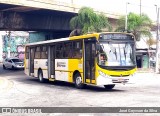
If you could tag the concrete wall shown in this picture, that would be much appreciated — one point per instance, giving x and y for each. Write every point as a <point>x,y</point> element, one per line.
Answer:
<point>42,36</point>
<point>36,36</point>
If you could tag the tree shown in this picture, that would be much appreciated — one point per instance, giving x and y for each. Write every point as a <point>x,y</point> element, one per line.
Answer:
<point>151,42</point>
<point>88,21</point>
<point>139,25</point>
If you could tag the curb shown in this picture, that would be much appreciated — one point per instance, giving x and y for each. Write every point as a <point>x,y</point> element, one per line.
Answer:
<point>145,72</point>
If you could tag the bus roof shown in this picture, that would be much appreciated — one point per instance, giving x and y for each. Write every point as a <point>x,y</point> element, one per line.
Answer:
<point>73,38</point>
<point>47,42</point>
<point>63,39</point>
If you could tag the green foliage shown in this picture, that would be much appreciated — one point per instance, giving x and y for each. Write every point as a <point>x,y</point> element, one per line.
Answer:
<point>89,21</point>
<point>151,42</point>
<point>138,25</point>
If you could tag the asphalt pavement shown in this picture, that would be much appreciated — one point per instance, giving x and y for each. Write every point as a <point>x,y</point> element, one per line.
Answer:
<point>19,90</point>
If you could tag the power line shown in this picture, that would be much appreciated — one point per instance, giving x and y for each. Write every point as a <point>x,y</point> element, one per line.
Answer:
<point>143,5</point>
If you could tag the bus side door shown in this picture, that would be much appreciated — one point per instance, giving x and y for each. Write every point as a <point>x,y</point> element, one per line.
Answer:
<point>31,59</point>
<point>51,61</point>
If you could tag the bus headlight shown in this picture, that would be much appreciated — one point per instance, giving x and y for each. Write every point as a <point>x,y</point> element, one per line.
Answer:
<point>102,73</point>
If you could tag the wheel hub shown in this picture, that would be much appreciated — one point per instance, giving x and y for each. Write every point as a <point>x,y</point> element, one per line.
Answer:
<point>40,77</point>
<point>78,80</point>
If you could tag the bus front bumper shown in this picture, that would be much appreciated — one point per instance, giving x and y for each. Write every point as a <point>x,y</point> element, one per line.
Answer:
<point>105,80</point>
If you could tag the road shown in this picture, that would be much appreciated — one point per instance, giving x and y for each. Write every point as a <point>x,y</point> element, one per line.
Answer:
<point>19,90</point>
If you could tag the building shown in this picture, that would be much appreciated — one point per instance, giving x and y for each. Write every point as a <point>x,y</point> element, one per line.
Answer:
<point>13,46</point>
<point>145,55</point>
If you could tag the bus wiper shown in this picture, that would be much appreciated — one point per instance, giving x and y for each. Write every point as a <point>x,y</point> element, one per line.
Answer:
<point>115,54</point>
<point>124,53</point>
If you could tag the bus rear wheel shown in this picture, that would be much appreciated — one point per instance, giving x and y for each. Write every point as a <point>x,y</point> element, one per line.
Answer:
<point>78,81</point>
<point>109,87</point>
<point>40,76</point>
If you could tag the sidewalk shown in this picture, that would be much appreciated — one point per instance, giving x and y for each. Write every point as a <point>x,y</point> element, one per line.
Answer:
<point>145,70</point>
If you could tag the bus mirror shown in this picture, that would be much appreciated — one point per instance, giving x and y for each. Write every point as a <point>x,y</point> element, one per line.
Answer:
<point>98,47</point>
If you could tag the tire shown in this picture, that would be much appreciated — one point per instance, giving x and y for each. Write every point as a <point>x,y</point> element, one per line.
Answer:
<point>40,76</point>
<point>13,67</point>
<point>78,81</point>
<point>4,66</point>
<point>109,87</point>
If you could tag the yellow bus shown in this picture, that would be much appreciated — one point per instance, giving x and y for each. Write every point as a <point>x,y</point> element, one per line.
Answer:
<point>106,59</point>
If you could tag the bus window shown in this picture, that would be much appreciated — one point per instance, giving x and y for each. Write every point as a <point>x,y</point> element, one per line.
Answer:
<point>38,53</point>
<point>59,50</point>
<point>77,53</point>
<point>44,53</point>
<point>77,49</point>
<point>68,50</point>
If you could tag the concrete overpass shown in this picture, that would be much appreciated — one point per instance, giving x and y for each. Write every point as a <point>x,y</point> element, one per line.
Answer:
<point>47,16</point>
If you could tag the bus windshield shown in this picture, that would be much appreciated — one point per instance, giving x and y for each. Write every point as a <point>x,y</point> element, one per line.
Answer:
<point>116,54</point>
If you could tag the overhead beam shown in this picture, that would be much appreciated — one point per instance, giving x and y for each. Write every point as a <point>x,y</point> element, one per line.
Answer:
<point>20,9</point>
<point>32,22</point>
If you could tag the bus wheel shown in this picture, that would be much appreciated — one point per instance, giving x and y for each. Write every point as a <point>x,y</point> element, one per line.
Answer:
<point>78,81</point>
<point>40,76</point>
<point>13,67</point>
<point>109,87</point>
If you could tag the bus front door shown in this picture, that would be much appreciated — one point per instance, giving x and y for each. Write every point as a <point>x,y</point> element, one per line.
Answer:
<point>89,70</point>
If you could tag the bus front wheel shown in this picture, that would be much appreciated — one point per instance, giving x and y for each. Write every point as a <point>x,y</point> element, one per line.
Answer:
<point>78,81</point>
<point>109,87</point>
<point>40,76</point>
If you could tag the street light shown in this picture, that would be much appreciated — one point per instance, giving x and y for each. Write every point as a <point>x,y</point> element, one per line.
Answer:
<point>126,20</point>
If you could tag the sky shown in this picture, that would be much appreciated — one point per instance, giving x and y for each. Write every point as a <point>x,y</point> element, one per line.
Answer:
<point>119,6</point>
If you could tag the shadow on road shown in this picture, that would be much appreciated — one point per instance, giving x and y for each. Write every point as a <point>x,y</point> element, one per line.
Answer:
<point>9,72</point>
<point>66,85</point>
<point>19,76</point>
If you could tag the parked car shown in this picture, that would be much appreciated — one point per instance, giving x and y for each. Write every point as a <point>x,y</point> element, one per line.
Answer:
<point>13,63</point>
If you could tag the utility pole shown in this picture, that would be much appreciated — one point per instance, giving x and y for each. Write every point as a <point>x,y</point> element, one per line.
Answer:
<point>140,7</point>
<point>71,1</point>
<point>157,44</point>
<point>9,44</point>
<point>126,19</point>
